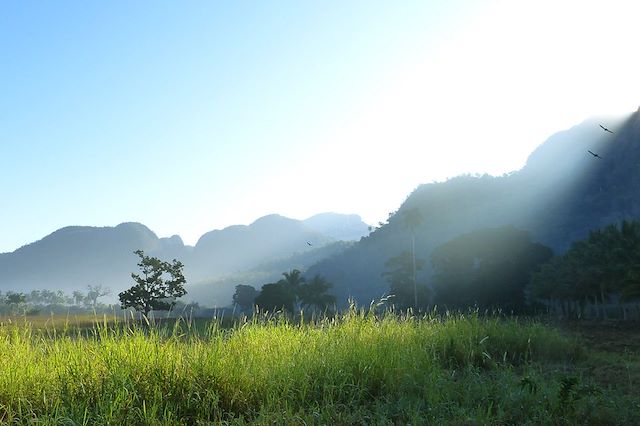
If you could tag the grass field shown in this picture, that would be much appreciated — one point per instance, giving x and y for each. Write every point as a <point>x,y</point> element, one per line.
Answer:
<point>356,369</point>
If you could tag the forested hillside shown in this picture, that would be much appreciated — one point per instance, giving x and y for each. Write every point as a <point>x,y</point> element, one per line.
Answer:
<point>562,193</point>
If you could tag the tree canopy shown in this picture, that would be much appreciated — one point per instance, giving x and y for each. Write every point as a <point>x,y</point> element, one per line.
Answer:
<point>313,294</point>
<point>245,296</point>
<point>402,286</point>
<point>94,292</point>
<point>293,289</point>
<point>276,297</point>
<point>488,268</point>
<point>607,262</point>
<point>157,287</point>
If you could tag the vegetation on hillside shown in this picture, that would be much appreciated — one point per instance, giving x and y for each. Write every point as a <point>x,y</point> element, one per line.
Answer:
<point>558,197</point>
<point>488,269</point>
<point>603,267</point>
<point>290,294</point>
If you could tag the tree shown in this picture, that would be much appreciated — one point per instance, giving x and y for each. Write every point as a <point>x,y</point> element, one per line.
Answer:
<point>158,287</point>
<point>291,290</point>
<point>631,289</point>
<point>403,286</point>
<point>313,294</point>
<point>15,300</point>
<point>488,268</point>
<point>94,293</point>
<point>35,297</point>
<point>291,283</point>
<point>51,297</point>
<point>412,219</point>
<point>606,262</point>
<point>245,296</point>
<point>293,279</point>
<point>78,297</point>
<point>276,297</point>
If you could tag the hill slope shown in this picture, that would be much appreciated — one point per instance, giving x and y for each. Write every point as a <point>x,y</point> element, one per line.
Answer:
<point>76,256</point>
<point>560,194</point>
<point>240,247</point>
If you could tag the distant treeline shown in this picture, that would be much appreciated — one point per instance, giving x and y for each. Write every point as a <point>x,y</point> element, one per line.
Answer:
<point>55,301</point>
<point>502,269</point>
<point>291,294</point>
<point>488,269</point>
<point>493,269</point>
<point>46,302</point>
<point>599,276</point>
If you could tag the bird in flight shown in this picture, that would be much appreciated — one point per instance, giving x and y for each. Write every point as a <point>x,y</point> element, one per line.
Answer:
<point>604,128</point>
<point>309,244</point>
<point>594,154</point>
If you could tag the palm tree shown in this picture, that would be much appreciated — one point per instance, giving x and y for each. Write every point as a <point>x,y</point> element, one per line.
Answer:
<point>291,282</point>
<point>314,294</point>
<point>78,297</point>
<point>400,276</point>
<point>412,219</point>
<point>293,278</point>
<point>276,297</point>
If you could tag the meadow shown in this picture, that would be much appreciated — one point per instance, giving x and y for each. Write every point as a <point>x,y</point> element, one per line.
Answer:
<point>356,368</point>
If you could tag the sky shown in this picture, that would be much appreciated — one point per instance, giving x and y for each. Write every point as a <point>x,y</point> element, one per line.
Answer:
<point>193,116</point>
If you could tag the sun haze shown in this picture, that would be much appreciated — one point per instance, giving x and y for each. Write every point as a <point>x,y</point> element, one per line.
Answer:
<point>193,116</point>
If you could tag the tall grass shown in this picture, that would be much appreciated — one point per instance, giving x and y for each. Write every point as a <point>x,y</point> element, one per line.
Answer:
<point>358,368</point>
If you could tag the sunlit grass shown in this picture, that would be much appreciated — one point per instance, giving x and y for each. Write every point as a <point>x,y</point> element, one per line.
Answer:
<point>358,368</point>
<point>60,322</point>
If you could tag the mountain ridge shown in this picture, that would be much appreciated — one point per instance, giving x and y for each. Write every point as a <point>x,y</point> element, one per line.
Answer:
<point>560,194</point>
<point>73,257</point>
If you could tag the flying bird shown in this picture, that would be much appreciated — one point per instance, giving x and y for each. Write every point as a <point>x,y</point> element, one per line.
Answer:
<point>309,244</point>
<point>604,128</point>
<point>594,154</point>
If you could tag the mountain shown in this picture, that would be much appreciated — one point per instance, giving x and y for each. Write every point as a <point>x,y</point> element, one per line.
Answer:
<point>561,194</point>
<point>338,226</point>
<point>240,247</point>
<point>219,291</point>
<point>76,256</point>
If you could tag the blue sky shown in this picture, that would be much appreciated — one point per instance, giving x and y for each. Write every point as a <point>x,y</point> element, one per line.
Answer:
<point>192,116</point>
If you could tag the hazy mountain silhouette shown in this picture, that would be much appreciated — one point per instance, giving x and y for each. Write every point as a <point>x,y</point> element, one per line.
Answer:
<point>219,291</point>
<point>75,256</point>
<point>241,247</point>
<point>560,194</point>
<point>338,226</point>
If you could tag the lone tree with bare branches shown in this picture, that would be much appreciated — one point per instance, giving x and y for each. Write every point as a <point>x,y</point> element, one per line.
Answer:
<point>157,287</point>
<point>93,294</point>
